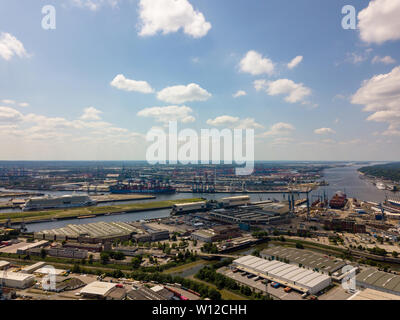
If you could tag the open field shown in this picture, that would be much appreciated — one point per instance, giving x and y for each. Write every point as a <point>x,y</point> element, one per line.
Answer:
<point>29,216</point>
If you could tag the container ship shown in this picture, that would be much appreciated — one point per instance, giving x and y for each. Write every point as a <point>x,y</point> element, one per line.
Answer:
<point>67,201</point>
<point>147,188</point>
<point>338,201</point>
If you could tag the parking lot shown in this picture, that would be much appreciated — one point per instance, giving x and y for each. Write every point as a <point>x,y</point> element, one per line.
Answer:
<point>258,284</point>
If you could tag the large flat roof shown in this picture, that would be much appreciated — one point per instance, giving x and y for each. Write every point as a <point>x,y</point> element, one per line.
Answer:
<point>15,276</point>
<point>98,288</point>
<point>380,279</point>
<point>307,258</point>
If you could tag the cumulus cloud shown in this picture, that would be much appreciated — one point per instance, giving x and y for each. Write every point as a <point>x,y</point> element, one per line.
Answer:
<point>381,95</point>
<point>23,104</point>
<point>379,22</point>
<point>168,16</point>
<point>324,131</point>
<point>255,64</point>
<point>295,62</point>
<point>10,46</point>
<point>295,92</point>
<point>181,94</point>
<point>279,129</point>
<point>239,93</point>
<point>234,122</point>
<point>10,115</point>
<point>168,113</point>
<point>94,5</point>
<point>91,113</point>
<point>384,60</point>
<point>122,83</point>
<point>8,101</point>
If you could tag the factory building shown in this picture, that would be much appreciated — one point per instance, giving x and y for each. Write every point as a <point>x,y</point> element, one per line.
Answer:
<point>379,280</point>
<point>98,232</point>
<point>268,213</point>
<point>229,202</point>
<point>98,290</point>
<point>299,279</point>
<point>33,245</point>
<point>33,267</point>
<point>217,233</point>
<point>4,265</point>
<point>183,208</point>
<point>311,260</point>
<point>347,225</point>
<point>68,253</point>
<point>16,279</point>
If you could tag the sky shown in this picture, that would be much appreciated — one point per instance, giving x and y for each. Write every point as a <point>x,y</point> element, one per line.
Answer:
<point>92,87</point>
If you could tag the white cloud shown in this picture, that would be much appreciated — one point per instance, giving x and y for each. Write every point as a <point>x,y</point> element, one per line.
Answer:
<point>384,60</point>
<point>381,95</point>
<point>295,92</point>
<point>279,129</point>
<point>295,62</point>
<point>181,94</point>
<point>10,115</point>
<point>91,113</point>
<point>379,22</point>
<point>168,16</point>
<point>23,104</point>
<point>8,101</point>
<point>94,5</point>
<point>324,131</point>
<point>168,113</point>
<point>234,122</point>
<point>255,64</point>
<point>10,46</point>
<point>239,93</point>
<point>122,83</point>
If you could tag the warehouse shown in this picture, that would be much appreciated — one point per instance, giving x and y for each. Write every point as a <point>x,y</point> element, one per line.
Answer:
<point>183,208</point>
<point>16,279</point>
<point>4,265</point>
<point>379,280</point>
<point>98,289</point>
<point>300,279</point>
<point>33,267</point>
<point>235,201</point>
<point>311,260</point>
<point>24,249</point>
<point>91,232</point>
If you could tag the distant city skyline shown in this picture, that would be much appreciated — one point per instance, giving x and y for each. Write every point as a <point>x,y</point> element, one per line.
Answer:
<point>111,70</point>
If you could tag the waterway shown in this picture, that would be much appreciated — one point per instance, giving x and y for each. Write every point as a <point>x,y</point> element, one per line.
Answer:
<point>345,179</point>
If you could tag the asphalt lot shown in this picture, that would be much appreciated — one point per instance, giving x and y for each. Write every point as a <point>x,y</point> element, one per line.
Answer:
<point>278,293</point>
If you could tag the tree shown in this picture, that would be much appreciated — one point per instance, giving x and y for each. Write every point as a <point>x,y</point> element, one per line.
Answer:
<point>104,257</point>
<point>43,253</point>
<point>90,258</point>
<point>395,254</point>
<point>299,245</point>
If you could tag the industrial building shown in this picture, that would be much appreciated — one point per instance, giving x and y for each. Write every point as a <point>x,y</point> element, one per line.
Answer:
<point>311,260</point>
<point>379,280</point>
<point>299,279</point>
<point>348,225</point>
<point>217,233</point>
<point>269,213</point>
<point>4,265</point>
<point>33,245</point>
<point>98,232</point>
<point>98,290</point>
<point>33,267</point>
<point>370,294</point>
<point>235,201</point>
<point>189,207</point>
<point>16,279</point>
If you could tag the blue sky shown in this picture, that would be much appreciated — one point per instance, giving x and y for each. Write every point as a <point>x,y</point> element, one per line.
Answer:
<point>63,72</point>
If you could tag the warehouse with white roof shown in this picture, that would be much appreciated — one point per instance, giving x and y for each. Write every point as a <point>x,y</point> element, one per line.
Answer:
<point>16,279</point>
<point>288,275</point>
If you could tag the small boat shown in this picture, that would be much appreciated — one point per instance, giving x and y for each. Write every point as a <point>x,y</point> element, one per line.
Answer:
<point>87,217</point>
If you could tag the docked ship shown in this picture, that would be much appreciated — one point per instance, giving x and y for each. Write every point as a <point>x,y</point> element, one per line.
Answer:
<point>66,201</point>
<point>393,203</point>
<point>338,201</point>
<point>145,188</point>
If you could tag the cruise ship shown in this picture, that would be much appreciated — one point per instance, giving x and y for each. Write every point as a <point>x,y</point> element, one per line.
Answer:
<point>67,201</point>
